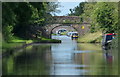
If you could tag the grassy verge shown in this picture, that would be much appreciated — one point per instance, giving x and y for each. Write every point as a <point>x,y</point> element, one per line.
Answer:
<point>91,38</point>
<point>17,42</point>
<point>10,45</point>
<point>14,42</point>
<point>46,40</point>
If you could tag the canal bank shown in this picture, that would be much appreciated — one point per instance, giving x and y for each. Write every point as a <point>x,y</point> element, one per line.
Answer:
<point>65,58</point>
<point>91,38</point>
<point>26,43</point>
<point>14,47</point>
<point>20,43</point>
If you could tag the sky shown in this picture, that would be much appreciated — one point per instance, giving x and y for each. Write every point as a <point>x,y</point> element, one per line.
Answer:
<point>65,6</point>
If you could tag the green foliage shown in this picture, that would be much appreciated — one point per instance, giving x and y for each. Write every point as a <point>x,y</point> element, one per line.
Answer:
<point>18,17</point>
<point>51,7</point>
<point>88,11</point>
<point>105,16</point>
<point>8,20</point>
<point>78,10</point>
<point>101,15</point>
<point>7,32</point>
<point>95,37</point>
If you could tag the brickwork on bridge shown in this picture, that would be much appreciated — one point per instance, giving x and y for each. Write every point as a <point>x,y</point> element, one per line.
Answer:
<point>64,19</point>
<point>77,27</point>
<point>57,21</point>
<point>72,21</point>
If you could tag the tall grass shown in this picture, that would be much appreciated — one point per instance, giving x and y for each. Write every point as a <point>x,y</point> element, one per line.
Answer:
<point>91,37</point>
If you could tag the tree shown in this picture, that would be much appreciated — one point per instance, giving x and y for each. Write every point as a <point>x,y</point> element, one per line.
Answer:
<point>78,10</point>
<point>105,15</point>
<point>19,17</point>
<point>101,15</point>
<point>8,20</point>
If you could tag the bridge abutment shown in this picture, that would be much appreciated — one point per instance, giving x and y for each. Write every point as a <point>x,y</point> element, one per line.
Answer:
<point>77,27</point>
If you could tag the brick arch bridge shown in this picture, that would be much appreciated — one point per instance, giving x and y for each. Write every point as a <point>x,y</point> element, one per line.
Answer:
<point>67,28</point>
<point>73,21</point>
<point>77,27</point>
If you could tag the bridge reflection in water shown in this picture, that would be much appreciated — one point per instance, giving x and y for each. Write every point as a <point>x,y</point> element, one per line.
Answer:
<point>67,58</point>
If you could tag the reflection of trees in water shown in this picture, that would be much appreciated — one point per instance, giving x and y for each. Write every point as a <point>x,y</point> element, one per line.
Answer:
<point>89,46</point>
<point>28,62</point>
<point>108,56</point>
<point>97,63</point>
<point>111,55</point>
<point>36,60</point>
<point>111,58</point>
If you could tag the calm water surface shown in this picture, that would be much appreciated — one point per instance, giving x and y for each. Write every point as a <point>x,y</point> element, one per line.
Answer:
<point>66,58</point>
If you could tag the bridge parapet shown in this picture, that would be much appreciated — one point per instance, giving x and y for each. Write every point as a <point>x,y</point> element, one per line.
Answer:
<point>64,19</point>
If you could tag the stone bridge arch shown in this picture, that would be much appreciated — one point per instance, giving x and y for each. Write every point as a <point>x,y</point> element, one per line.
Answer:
<point>61,25</point>
<point>66,27</point>
<point>77,27</point>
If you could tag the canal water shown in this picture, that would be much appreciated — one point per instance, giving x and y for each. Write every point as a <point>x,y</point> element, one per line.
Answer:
<point>66,58</point>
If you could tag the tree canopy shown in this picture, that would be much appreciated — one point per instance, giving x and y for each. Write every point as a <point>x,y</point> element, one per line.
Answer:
<point>18,16</point>
<point>101,15</point>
